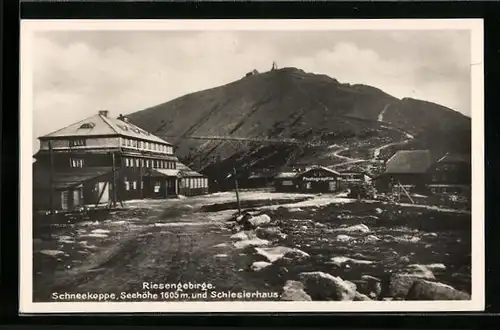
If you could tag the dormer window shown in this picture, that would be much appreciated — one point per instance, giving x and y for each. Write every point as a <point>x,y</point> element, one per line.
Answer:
<point>77,143</point>
<point>87,126</point>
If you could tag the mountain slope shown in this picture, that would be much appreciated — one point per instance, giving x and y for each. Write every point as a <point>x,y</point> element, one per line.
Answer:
<point>289,104</point>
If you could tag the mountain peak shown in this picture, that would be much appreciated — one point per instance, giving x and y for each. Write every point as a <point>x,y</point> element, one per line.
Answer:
<point>228,121</point>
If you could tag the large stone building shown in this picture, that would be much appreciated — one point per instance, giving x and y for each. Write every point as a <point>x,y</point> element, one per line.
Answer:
<point>81,164</point>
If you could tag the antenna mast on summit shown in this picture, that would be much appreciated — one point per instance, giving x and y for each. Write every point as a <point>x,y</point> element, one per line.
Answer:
<point>275,66</point>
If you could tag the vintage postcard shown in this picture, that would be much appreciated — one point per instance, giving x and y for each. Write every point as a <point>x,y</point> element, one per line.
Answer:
<point>251,166</point>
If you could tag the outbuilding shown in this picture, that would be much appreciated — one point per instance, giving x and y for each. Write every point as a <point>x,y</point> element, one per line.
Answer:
<point>348,179</point>
<point>285,182</point>
<point>318,179</point>
<point>407,170</point>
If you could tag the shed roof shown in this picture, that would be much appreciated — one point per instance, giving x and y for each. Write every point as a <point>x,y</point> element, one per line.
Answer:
<point>66,179</point>
<point>409,162</point>
<point>103,125</point>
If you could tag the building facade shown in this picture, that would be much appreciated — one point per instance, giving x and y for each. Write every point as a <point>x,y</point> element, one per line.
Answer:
<point>416,171</point>
<point>349,179</point>
<point>317,179</point>
<point>451,174</point>
<point>407,170</point>
<point>82,164</point>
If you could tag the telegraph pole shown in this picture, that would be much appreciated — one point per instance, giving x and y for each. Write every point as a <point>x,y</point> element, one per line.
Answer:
<point>51,177</point>
<point>237,192</point>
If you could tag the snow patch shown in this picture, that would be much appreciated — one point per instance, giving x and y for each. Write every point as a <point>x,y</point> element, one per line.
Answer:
<point>339,261</point>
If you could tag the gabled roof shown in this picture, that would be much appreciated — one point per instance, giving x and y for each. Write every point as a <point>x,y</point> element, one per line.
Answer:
<point>409,162</point>
<point>320,168</point>
<point>455,158</point>
<point>103,125</point>
<point>185,171</point>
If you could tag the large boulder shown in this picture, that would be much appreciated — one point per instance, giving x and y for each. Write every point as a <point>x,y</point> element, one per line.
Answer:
<point>343,238</point>
<point>275,253</point>
<point>370,285</point>
<point>294,291</point>
<point>400,283</point>
<point>323,286</point>
<point>250,243</point>
<point>361,228</point>
<point>240,236</point>
<point>427,290</point>
<point>259,220</point>
<point>339,261</point>
<point>259,265</point>
<point>361,297</point>
<point>270,233</point>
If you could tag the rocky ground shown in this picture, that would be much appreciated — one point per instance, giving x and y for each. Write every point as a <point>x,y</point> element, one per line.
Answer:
<point>311,248</point>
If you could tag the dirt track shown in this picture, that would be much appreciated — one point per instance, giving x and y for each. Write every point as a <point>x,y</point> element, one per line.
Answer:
<point>177,242</point>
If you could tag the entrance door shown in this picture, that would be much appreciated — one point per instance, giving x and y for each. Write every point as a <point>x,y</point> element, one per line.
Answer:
<point>332,185</point>
<point>103,191</point>
<point>64,200</point>
<point>76,198</point>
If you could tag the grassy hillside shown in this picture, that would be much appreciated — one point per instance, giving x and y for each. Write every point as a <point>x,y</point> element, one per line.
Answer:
<point>286,104</point>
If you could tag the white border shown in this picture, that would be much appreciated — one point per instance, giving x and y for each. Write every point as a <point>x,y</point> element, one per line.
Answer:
<point>477,88</point>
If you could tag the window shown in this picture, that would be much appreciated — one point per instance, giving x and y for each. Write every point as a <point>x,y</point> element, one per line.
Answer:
<point>76,162</point>
<point>127,162</point>
<point>87,126</point>
<point>141,144</point>
<point>147,145</point>
<point>134,185</point>
<point>77,143</point>
<point>142,162</point>
<point>127,185</point>
<point>137,162</point>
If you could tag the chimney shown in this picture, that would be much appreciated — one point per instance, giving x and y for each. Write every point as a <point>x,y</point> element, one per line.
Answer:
<point>103,113</point>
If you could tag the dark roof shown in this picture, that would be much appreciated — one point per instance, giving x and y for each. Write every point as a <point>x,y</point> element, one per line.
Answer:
<point>455,158</point>
<point>347,172</point>
<point>185,171</point>
<point>409,161</point>
<point>320,168</point>
<point>286,175</point>
<point>66,179</point>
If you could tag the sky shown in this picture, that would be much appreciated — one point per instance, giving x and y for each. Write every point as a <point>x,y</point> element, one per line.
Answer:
<point>77,73</point>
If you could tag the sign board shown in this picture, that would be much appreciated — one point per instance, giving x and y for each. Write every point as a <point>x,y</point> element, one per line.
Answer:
<point>318,179</point>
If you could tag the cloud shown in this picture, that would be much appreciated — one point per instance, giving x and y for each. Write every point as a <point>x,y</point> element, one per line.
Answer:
<point>78,73</point>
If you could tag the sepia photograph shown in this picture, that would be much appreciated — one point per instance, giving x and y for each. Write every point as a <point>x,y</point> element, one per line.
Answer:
<point>251,166</point>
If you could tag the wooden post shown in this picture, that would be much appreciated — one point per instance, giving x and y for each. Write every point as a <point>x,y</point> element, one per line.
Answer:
<point>114,180</point>
<point>51,177</point>
<point>237,192</point>
<point>141,179</point>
